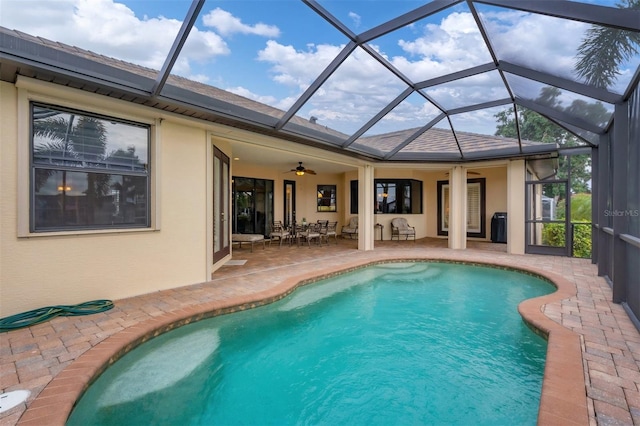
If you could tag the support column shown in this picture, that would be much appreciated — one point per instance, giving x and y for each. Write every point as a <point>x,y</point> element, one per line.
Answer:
<point>604,194</point>
<point>365,207</point>
<point>458,208</point>
<point>619,152</point>
<point>516,175</point>
<point>595,205</point>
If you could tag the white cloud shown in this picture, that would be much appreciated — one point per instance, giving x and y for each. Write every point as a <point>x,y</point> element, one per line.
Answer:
<point>201,78</point>
<point>356,19</point>
<point>359,88</point>
<point>226,24</point>
<point>540,42</point>
<point>297,68</point>
<point>112,29</point>
<point>242,91</point>
<point>452,45</point>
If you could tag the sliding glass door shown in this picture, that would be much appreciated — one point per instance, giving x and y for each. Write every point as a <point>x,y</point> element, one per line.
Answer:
<point>252,205</point>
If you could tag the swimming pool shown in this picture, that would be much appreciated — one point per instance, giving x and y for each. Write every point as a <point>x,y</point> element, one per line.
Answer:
<point>388,344</point>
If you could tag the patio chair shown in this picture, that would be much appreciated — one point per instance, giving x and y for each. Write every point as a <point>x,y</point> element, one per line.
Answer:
<point>310,232</point>
<point>278,231</point>
<point>400,227</point>
<point>331,230</point>
<point>350,229</point>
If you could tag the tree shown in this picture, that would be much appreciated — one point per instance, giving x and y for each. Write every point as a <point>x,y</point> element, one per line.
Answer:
<point>603,50</point>
<point>71,142</point>
<point>535,127</point>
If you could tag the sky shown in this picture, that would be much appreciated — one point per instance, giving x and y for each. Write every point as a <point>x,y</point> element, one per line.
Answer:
<point>272,50</point>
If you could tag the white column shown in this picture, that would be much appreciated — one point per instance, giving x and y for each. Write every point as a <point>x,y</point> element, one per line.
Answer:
<point>458,208</point>
<point>365,207</point>
<point>515,206</point>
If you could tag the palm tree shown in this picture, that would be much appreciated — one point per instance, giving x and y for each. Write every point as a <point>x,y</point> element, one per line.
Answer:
<point>603,50</point>
<point>71,142</point>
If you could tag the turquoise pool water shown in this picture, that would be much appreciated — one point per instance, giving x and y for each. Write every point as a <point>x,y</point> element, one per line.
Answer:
<point>391,344</point>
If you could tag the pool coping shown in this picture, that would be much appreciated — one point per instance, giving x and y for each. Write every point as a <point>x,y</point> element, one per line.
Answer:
<point>563,398</point>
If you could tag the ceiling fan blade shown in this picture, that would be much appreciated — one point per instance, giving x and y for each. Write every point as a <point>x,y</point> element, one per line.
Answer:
<point>311,172</point>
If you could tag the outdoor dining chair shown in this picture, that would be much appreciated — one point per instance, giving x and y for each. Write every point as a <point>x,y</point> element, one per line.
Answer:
<point>280,232</point>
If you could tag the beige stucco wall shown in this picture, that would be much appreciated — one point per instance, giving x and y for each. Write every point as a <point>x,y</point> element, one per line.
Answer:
<point>51,269</point>
<point>69,268</point>
<point>419,221</point>
<point>516,206</point>
<point>426,224</point>
<point>496,197</point>
<point>306,190</point>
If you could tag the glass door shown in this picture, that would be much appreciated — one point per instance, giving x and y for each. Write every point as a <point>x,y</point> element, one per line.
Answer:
<point>289,203</point>
<point>221,203</point>
<point>547,221</point>
<point>252,205</point>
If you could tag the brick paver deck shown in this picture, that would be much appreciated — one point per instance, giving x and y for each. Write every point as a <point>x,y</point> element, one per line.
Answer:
<point>592,375</point>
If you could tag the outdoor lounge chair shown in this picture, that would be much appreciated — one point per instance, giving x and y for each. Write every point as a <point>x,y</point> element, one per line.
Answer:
<point>350,229</point>
<point>400,227</point>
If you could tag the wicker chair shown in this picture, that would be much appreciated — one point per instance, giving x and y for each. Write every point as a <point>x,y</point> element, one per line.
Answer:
<point>400,227</point>
<point>350,229</point>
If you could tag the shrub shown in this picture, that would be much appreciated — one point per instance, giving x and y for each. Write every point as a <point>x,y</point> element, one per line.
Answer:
<point>553,235</point>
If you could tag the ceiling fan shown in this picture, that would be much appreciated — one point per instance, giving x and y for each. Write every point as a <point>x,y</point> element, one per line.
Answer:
<point>301,171</point>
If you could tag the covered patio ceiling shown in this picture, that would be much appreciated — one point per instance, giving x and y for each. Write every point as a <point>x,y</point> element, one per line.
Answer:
<point>410,81</point>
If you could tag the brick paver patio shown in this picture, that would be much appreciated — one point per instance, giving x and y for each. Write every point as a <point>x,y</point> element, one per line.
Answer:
<point>592,374</point>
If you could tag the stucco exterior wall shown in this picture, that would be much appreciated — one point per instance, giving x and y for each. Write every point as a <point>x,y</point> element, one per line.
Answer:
<point>306,191</point>
<point>54,268</point>
<point>44,269</point>
<point>496,187</point>
<point>426,224</point>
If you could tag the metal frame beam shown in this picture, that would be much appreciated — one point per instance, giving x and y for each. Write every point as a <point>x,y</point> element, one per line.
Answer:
<point>401,97</point>
<point>326,73</point>
<point>178,43</point>
<point>413,136</point>
<point>624,19</point>
<point>558,115</point>
<point>408,18</point>
<point>456,75</point>
<point>562,83</point>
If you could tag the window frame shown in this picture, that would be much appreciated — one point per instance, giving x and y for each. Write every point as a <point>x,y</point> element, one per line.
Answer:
<point>327,203</point>
<point>481,183</point>
<point>416,188</point>
<point>96,168</point>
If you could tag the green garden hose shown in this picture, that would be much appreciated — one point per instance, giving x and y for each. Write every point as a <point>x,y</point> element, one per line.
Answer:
<point>39,315</point>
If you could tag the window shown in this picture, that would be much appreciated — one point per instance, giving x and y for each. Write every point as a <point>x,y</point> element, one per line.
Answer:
<point>87,171</point>
<point>475,208</point>
<point>354,196</point>
<point>327,198</point>
<point>399,196</point>
<point>392,196</point>
<point>252,205</point>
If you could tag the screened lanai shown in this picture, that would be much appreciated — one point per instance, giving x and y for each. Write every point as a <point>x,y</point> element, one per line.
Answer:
<point>444,81</point>
<point>367,81</point>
